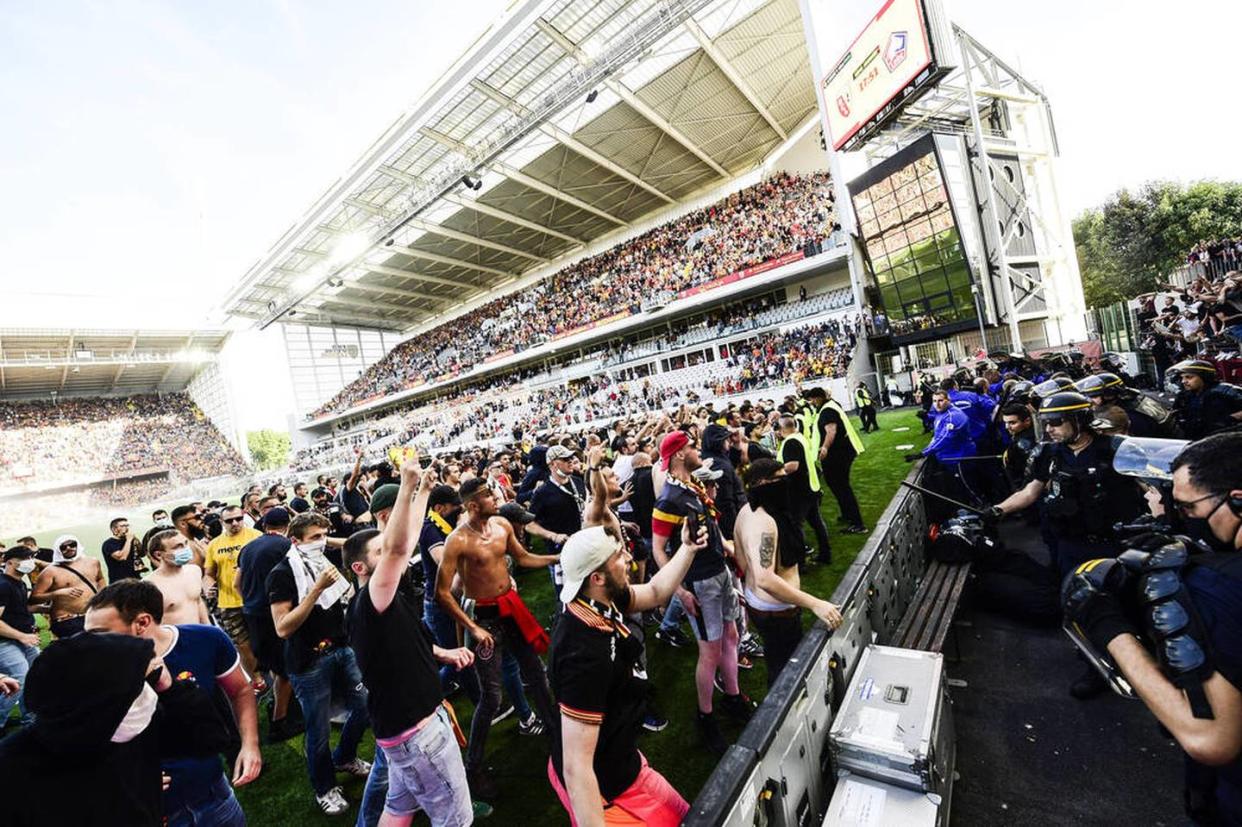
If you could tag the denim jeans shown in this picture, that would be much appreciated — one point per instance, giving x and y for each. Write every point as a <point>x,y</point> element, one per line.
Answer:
<point>506,637</point>
<point>425,772</point>
<point>372,806</point>
<point>444,630</point>
<point>15,660</point>
<point>336,670</point>
<point>218,809</point>
<point>673,615</point>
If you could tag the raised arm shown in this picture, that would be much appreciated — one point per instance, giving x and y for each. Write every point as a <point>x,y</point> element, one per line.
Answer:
<point>400,534</point>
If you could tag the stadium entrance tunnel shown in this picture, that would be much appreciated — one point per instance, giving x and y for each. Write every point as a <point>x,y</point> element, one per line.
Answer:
<point>1006,745</point>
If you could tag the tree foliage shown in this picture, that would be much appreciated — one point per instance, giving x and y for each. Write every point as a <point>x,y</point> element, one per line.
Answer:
<point>1128,244</point>
<point>268,449</point>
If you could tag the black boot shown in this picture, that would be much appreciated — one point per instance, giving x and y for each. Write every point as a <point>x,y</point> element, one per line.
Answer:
<point>712,736</point>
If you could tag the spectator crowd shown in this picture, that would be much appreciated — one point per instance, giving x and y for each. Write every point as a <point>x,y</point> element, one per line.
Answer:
<point>72,440</point>
<point>783,214</point>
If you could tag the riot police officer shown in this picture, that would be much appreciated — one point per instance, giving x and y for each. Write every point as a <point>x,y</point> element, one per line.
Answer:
<point>1191,613</point>
<point>1148,418</point>
<point>1081,495</point>
<point>1206,404</point>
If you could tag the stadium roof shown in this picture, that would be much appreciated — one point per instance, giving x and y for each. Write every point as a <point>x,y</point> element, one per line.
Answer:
<point>39,362</point>
<point>574,119</point>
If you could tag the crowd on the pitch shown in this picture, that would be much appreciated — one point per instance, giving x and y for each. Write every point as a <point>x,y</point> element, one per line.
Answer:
<point>249,600</point>
<point>85,440</point>
<point>780,215</point>
<point>499,408</point>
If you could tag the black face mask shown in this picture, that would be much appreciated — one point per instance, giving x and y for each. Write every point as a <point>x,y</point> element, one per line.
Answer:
<point>772,497</point>
<point>1197,528</point>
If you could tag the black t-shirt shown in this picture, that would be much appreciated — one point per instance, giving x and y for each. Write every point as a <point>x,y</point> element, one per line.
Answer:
<point>256,561</point>
<point>841,447</point>
<point>323,630</point>
<point>353,501</point>
<point>642,500</point>
<point>394,655</point>
<point>799,481</point>
<point>430,537</point>
<point>118,569</point>
<point>13,597</point>
<point>677,501</point>
<point>591,670</point>
<point>556,507</point>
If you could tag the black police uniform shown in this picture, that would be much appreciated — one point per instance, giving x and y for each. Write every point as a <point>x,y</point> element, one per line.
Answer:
<point>1214,584</point>
<point>1211,410</point>
<point>1083,498</point>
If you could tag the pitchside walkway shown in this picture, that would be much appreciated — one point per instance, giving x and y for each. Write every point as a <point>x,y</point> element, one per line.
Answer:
<point>1028,753</point>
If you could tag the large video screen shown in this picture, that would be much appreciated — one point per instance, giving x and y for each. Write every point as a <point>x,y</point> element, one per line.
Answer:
<point>887,57</point>
<point>918,268</point>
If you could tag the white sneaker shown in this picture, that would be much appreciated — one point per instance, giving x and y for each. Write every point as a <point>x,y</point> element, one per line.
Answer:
<point>356,767</point>
<point>332,802</point>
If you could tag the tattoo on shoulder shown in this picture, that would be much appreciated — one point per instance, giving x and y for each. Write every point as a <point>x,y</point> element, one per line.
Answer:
<point>767,548</point>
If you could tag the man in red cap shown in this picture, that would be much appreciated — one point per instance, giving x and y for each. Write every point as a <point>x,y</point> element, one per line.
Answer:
<point>707,591</point>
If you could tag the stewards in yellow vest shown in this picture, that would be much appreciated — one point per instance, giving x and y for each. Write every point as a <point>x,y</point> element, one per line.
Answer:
<point>836,445</point>
<point>866,408</point>
<point>805,496</point>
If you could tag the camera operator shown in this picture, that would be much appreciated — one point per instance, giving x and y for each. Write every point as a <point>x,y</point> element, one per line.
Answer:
<point>1201,707</point>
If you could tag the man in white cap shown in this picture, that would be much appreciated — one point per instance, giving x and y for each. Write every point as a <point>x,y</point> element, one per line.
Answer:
<point>596,767</point>
<point>69,583</point>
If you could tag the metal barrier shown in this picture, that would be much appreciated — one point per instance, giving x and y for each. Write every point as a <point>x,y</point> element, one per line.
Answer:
<point>778,772</point>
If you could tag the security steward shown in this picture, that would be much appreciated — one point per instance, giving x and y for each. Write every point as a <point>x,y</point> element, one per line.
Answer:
<point>866,408</point>
<point>805,493</point>
<point>1148,418</point>
<point>1206,404</point>
<point>835,445</point>
<point>1191,610</point>
<point>1081,495</point>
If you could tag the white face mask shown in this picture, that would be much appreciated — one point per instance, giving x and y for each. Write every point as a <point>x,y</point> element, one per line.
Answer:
<point>139,716</point>
<point>26,567</point>
<point>313,549</point>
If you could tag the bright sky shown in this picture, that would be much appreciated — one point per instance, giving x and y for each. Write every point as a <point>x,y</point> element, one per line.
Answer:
<point>153,151</point>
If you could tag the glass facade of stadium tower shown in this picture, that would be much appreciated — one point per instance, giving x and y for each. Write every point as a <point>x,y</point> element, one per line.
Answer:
<point>322,360</point>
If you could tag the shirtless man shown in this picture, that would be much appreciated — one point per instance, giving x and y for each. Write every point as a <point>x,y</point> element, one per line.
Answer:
<point>180,580</point>
<point>771,590</point>
<point>478,547</point>
<point>69,583</point>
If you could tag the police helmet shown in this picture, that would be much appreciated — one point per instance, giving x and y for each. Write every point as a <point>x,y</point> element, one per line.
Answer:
<point>1057,384</point>
<point>1199,367</point>
<point>1112,360</point>
<point>1100,384</point>
<point>1021,391</point>
<point>1067,405</point>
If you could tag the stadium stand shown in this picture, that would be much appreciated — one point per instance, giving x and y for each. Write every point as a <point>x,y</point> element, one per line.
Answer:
<point>81,441</point>
<point>780,215</point>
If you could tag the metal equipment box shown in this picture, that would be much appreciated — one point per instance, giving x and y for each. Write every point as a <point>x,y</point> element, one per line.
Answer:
<point>895,724</point>
<point>862,802</point>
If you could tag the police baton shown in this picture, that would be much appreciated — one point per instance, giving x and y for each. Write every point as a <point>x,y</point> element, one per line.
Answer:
<point>972,509</point>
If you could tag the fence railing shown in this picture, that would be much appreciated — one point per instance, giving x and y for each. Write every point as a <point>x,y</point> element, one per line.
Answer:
<point>778,772</point>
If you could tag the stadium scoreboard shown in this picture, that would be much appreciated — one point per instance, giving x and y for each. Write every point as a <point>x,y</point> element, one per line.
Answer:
<point>899,55</point>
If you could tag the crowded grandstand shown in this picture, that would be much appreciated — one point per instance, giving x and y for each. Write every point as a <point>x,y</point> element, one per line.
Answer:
<point>646,464</point>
